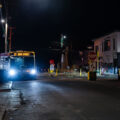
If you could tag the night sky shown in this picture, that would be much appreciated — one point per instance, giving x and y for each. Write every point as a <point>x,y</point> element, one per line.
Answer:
<point>40,22</point>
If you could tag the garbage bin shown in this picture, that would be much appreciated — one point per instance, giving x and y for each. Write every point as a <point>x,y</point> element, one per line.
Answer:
<point>92,76</point>
<point>118,74</point>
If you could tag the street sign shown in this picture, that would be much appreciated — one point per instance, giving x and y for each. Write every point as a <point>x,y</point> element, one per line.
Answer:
<point>92,63</point>
<point>52,68</point>
<point>92,56</point>
<point>52,61</point>
<point>92,66</point>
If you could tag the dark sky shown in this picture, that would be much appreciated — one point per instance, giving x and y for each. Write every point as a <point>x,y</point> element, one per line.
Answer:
<point>38,22</point>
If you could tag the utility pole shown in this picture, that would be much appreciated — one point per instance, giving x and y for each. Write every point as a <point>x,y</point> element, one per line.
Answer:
<point>6,27</point>
<point>6,31</point>
<point>10,38</point>
<point>63,37</point>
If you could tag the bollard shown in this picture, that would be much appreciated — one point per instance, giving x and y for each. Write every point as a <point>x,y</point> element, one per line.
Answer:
<point>92,76</point>
<point>48,71</point>
<point>51,71</point>
<point>56,72</point>
<point>88,75</point>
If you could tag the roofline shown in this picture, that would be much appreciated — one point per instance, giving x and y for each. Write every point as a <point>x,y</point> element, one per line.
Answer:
<point>105,35</point>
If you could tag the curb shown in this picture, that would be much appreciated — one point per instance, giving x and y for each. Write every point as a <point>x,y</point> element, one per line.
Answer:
<point>6,87</point>
<point>2,113</point>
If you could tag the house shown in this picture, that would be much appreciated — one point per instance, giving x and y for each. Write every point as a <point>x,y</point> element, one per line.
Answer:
<point>107,49</point>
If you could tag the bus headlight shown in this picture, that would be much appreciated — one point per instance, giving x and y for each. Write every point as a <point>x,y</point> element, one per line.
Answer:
<point>33,71</point>
<point>12,72</point>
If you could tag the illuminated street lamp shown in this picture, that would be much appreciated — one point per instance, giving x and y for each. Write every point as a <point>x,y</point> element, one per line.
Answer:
<point>62,40</point>
<point>64,37</point>
<point>3,21</point>
<point>0,5</point>
<point>90,47</point>
<point>6,32</point>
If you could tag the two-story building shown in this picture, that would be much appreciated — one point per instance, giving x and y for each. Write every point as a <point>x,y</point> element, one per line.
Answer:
<point>107,49</point>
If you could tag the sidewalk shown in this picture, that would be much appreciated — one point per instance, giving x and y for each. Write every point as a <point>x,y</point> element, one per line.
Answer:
<point>4,89</point>
<point>106,80</point>
<point>109,81</point>
<point>77,75</point>
<point>2,112</point>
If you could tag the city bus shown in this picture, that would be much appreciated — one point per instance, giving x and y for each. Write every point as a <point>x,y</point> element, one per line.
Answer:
<point>18,64</point>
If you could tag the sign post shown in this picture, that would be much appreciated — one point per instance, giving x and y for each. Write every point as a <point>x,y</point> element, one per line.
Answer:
<point>52,66</point>
<point>92,66</point>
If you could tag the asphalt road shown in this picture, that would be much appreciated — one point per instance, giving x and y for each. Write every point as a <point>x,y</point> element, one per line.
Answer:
<point>66,100</point>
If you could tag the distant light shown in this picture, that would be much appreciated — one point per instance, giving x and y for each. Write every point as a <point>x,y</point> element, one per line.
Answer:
<point>64,37</point>
<point>0,5</point>
<point>81,53</point>
<point>90,47</point>
<point>2,21</point>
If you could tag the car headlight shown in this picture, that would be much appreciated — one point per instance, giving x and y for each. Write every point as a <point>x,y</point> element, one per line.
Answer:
<point>33,71</point>
<point>12,72</point>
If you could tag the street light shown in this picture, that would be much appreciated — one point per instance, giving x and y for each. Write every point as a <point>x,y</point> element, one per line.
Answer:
<point>3,21</point>
<point>6,32</point>
<point>0,5</point>
<point>62,40</point>
<point>90,47</point>
<point>64,37</point>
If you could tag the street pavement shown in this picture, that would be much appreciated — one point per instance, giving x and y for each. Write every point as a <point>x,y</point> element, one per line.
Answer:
<point>9,99</point>
<point>55,99</point>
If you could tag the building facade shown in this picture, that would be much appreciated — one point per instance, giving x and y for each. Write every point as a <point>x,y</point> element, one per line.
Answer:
<point>107,49</point>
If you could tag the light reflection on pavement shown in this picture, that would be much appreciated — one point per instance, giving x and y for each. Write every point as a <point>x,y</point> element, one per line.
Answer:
<point>66,101</point>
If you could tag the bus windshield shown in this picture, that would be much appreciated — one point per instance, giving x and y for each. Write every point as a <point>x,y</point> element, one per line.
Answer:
<point>22,62</point>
